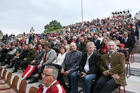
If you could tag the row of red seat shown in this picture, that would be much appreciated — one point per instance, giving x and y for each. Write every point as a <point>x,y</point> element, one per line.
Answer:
<point>7,87</point>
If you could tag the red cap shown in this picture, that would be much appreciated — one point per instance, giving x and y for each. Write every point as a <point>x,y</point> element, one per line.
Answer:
<point>122,45</point>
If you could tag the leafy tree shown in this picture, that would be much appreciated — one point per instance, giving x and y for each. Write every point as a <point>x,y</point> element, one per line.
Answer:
<point>53,25</point>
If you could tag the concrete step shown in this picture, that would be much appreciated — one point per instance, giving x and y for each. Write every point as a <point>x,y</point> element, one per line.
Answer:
<point>133,83</point>
<point>135,68</point>
<point>137,49</point>
<point>136,58</point>
<point>135,65</point>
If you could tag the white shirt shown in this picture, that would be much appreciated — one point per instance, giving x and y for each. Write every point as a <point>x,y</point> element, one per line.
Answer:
<point>46,88</point>
<point>86,67</point>
<point>60,59</point>
<point>126,39</point>
<point>101,39</point>
<point>12,51</point>
<point>27,41</point>
<point>109,55</point>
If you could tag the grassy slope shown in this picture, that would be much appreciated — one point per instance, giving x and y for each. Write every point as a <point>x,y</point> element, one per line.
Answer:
<point>55,30</point>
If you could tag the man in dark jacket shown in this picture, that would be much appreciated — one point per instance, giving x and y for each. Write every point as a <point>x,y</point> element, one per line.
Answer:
<point>96,41</point>
<point>48,58</point>
<point>128,41</point>
<point>19,57</point>
<point>82,45</point>
<point>87,69</point>
<point>71,61</point>
<point>27,60</point>
<point>38,56</point>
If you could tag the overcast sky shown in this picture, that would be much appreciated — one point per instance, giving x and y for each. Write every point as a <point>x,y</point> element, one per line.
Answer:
<point>18,16</point>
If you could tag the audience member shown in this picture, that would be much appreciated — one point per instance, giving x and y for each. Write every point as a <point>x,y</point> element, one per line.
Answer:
<point>103,47</point>
<point>82,45</point>
<point>112,67</point>
<point>27,60</point>
<point>71,61</point>
<point>50,84</point>
<point>128,42</point>
<point>121,49</point>
<point>48,58</point>
<point>87,70</point>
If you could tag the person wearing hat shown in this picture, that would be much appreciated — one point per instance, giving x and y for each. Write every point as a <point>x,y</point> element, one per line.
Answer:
<point>49,56</point>
<point>121,49</point>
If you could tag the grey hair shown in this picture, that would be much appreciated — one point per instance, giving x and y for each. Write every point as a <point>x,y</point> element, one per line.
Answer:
<point>112,42</point>
<point>31,45</point>
<point>90,43</point>
<point>54,71</point>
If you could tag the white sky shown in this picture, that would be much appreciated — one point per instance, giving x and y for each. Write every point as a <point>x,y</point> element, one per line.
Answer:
<point>18,16</point>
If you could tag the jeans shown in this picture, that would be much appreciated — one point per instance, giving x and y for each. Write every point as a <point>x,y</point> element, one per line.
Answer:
<point>105,85</point>
<point>87,80</point>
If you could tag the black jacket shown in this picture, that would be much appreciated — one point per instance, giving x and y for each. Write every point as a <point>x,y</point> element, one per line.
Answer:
<point>23,54</point>
<point>129,44</point>
<point>93,63</point>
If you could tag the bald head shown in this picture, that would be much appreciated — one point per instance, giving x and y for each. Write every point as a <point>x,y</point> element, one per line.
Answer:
<point>73,46</point>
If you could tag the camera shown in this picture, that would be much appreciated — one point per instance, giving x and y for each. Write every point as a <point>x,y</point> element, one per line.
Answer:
<point>79,70</point>
<point>65,69</point>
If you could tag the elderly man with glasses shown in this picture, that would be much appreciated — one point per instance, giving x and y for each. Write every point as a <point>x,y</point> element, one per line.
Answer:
<point>50,84</point>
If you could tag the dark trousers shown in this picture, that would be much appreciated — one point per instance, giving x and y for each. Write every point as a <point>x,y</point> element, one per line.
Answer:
<point>36,69</point>
<point>2,58</point>
<point>105,85</point>
<point>14,61</point>
<point>22,63</point>
<point>9,57</point>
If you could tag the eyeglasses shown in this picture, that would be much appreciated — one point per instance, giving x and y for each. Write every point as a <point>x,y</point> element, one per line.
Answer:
<point>43,74</point>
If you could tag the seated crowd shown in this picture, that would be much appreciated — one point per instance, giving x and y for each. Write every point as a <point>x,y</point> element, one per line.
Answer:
<point>93,50</point>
